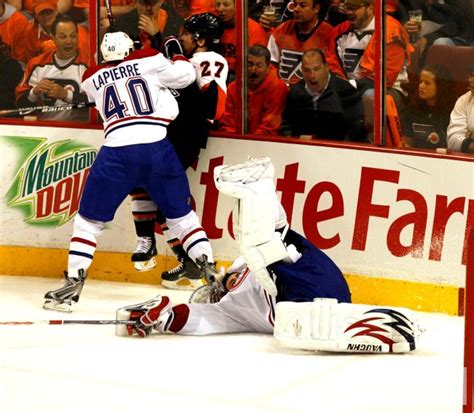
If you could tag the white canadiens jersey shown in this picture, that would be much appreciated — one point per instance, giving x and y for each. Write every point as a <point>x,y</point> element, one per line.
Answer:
<point>246,307</point>
<point>133,98</point>
<point>210,66</point>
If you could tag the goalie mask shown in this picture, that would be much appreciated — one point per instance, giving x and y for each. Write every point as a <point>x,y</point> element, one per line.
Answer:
<point>205,26</point>
<point>116,46</point>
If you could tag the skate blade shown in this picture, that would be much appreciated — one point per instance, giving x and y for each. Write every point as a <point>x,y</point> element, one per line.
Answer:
<point>58,306</point>
<point>183,284</point>
<point>145,265</point>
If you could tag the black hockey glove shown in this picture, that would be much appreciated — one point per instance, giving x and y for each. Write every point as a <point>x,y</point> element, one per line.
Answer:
<point>171,47</point>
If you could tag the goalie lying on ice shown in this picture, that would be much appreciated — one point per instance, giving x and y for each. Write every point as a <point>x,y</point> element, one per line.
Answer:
<point>311,308</point>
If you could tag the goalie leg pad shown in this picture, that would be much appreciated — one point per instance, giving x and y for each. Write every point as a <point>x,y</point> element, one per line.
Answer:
<point>326,325</point>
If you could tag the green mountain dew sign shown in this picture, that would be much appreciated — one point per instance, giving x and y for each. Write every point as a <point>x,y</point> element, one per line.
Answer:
<point>50,178</point>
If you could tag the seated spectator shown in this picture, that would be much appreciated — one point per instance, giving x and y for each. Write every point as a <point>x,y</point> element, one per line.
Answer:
<point>351,51</point>
<point>255,33</point>
<point>11,74</point>
<point>426,117</point>
<point>306,30</point>
<point>266,96</point>
<point>149,18</point>
<point>13,25</point>
<point>38,34</point>
<point>323,105</point>
<point>443,22</point>
<point>461,125</point>
<point>54,78</point>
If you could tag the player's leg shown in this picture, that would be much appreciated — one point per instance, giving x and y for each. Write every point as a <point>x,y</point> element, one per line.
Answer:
<point>183,275</point>
<point>256,215</point>
<point>169,188</point>
<point>109,182</point>
<point>144,215</point>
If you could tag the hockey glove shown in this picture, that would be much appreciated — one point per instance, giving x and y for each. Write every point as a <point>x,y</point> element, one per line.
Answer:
<point>208,294</point>
<point>171,47</point>
<point>149,315</point>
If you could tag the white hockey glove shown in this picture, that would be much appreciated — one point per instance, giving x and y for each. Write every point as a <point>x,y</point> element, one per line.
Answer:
<point>149,315</point>
<point>171,46</point>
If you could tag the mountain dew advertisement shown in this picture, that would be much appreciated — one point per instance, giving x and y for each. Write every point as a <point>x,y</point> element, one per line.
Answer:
<point>49,179</point>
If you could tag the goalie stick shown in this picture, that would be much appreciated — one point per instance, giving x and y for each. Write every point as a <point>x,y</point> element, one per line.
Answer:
<point>61,322</point>
<point>47,109</point>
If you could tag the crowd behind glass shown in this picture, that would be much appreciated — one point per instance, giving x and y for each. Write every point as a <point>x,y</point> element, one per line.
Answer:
<point>310,63</point>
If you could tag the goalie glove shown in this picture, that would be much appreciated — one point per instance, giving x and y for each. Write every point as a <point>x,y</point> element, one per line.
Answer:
<point>171,47</point>
<point>149,315</point>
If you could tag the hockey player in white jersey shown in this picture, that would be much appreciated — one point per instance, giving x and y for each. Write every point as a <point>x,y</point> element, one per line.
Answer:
<point>312,306</point>
<point>200,104</point>
<point>131,92</point>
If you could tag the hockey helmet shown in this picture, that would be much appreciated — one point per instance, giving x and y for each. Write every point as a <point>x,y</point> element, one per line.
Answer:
<point>116,46</point>
<point>204,26</point>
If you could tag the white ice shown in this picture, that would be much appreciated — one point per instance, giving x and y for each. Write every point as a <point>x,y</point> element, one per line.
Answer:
<point>86,368</point>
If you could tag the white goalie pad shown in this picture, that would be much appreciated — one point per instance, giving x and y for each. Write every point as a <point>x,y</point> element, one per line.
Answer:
<point>326,325</point>
<point>255,214</point>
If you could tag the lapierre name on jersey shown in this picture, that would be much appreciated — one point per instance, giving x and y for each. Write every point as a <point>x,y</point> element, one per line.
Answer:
<point>116,73</point>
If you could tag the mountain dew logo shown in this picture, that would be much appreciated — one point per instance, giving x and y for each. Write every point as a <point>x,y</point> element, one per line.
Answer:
<point>50,180</point>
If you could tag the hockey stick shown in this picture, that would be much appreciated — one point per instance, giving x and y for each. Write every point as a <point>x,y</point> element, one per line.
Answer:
<point>47,109</point>
<point>110,16</point>
<point>61,322</point>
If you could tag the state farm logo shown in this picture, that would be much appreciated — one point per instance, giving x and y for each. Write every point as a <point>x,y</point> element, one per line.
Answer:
<point>49,184</point>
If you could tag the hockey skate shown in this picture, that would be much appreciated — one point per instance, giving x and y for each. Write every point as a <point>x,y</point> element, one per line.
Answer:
<point>144,255</point>
<point>186,276</point>
<point>63,298</point>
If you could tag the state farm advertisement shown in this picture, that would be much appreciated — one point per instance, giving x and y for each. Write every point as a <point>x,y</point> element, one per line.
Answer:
<point>374,212</point>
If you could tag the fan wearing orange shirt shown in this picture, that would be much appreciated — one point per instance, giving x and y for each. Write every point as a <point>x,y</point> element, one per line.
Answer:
<point>306,30</point>
<point>38,34</point>
<point>266,96</point>
<point>12,28</point>
<point>255,33</point>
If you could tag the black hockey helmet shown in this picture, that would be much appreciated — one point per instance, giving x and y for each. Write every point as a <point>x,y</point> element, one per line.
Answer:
<point>204,26</point>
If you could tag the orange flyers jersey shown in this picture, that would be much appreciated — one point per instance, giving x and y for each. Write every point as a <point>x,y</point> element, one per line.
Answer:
<point>38,41</point>
<point>202,6</point>
<point>212,67</point>
<point>287,48</point>
<point>69,77</point>
<point>256,35</point>
<point>352,56</point>
<point>13,25</point>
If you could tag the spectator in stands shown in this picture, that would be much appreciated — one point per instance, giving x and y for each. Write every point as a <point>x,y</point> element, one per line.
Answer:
<point>351,52</point>
<point>461,125</point>
<point>13,25</point>
<point>269,22</point>
<point>443,22</point>
<point>202,6</point>
<point>306,30</point>
<point>38,34</point>
<point>10,74</point>
<point>323,105</point>
<point>54,78</point>
<point>255,33</point>
<point>266,96</point>
<point>149,18</point>
<point>426,117</point>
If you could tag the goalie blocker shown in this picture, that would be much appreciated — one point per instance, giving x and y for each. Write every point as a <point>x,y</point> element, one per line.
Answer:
<point>326,325</point>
